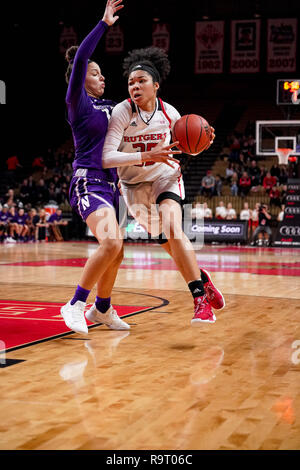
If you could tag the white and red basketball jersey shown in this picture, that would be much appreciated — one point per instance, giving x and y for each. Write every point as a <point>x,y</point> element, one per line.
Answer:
<point>132,131</point>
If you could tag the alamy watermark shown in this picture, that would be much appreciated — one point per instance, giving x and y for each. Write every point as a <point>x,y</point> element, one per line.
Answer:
<point>2,92</point>
<point>2,353</point>
<point>296,354</point>
<point>161,223</point>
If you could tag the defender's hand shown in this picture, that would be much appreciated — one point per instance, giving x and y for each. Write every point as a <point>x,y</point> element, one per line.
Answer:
<point>112,7</point>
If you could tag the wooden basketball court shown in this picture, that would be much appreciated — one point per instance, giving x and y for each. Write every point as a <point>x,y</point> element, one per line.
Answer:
<point>164,384</point>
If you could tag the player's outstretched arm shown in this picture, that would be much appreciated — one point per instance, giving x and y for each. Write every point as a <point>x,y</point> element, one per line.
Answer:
<point>87,48</point>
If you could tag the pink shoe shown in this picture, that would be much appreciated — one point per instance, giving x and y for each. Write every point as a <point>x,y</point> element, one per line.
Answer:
<point>202,311</point>
<point>213,295</point>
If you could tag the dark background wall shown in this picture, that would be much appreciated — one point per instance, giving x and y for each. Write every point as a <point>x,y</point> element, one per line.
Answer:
<point>32,67</point>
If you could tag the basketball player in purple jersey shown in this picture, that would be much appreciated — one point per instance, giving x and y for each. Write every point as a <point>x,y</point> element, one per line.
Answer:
<point>93,190</point>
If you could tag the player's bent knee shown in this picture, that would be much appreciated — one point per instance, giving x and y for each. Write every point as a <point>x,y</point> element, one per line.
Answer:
<point>113,247</point>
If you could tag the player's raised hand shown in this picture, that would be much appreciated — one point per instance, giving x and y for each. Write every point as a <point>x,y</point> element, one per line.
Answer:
<point>162,153</point>
<point>112,6</point>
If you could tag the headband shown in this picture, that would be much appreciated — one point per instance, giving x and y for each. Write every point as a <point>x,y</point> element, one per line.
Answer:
<point>147,68</point>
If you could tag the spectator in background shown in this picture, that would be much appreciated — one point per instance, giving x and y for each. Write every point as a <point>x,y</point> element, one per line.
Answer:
<point>68,171</point>
<point>284,194</point>
<point>32,219</point>
<point>235,148</point>
<point>207,211</point>
<point>263,172</point>
<point>21,227</point>
<point>41,226</point>
<point>269,181</point>
<point>280,216</point>
<point>38,163</point>
<point>41,192</point>
<point>254,216</point>
<point>201,211</point>
<point>25,192</point>
<point>12,225</point>
<point>31,187</point>
<point>52,194</point>
<point>218,186</point>
<point>208,184</point>
<point>251,144</point>
<point>229,172</point>
<point>244,184</point>
<point>263,232</point>
<point>245,214</point>
<point>231,213</point>
<point>275,171</point>
<point>197,211</point>
<point>13,165</point>
<point>221,211</point>
<point>275,196</point>
<point>10,199</point>
<point>57,168</point>
<point>234,188</point>
<point>4,216</point>
<point>254,173</point>
<point>56,223</point>
<point>63,196</point>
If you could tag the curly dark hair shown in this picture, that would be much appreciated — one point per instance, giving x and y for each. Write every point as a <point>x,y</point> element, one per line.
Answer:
<point>150,56</point>
<point>69,56</point>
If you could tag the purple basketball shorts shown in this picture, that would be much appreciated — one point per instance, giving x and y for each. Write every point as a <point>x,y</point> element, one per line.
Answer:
<point>88,194</point>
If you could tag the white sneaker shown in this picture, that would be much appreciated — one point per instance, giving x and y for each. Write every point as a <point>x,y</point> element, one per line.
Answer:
<point>11,240</point>
<point>110,318</point>
<point>74,316</point>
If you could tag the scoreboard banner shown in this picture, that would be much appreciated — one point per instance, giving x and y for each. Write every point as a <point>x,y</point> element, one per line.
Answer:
<point>288,91</point>
<point>245,46</point>
<point>202,231</point>
<point>219,231</point>
<point>282,45</point>
<point>209,47</point>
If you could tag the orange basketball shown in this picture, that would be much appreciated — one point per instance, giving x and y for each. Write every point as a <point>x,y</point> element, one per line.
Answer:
<point>193,133</point>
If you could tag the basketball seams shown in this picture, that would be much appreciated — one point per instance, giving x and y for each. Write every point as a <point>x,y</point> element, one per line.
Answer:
<point>187,134</point>
<point>201,129</point>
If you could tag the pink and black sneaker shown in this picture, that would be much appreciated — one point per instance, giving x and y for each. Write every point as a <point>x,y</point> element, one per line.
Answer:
<point>202,311</point>
<point>213,295</point>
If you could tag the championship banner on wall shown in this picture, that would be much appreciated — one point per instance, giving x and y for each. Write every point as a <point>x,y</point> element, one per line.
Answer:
<point>282,45</point>
<point>245,46</point>
<point>114,40</point>
<point>161,36</point>
<point>209,46</point>
<point>67,38</point>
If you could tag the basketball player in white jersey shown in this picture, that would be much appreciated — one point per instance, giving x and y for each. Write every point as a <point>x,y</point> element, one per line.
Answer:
<point>139,133</point>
